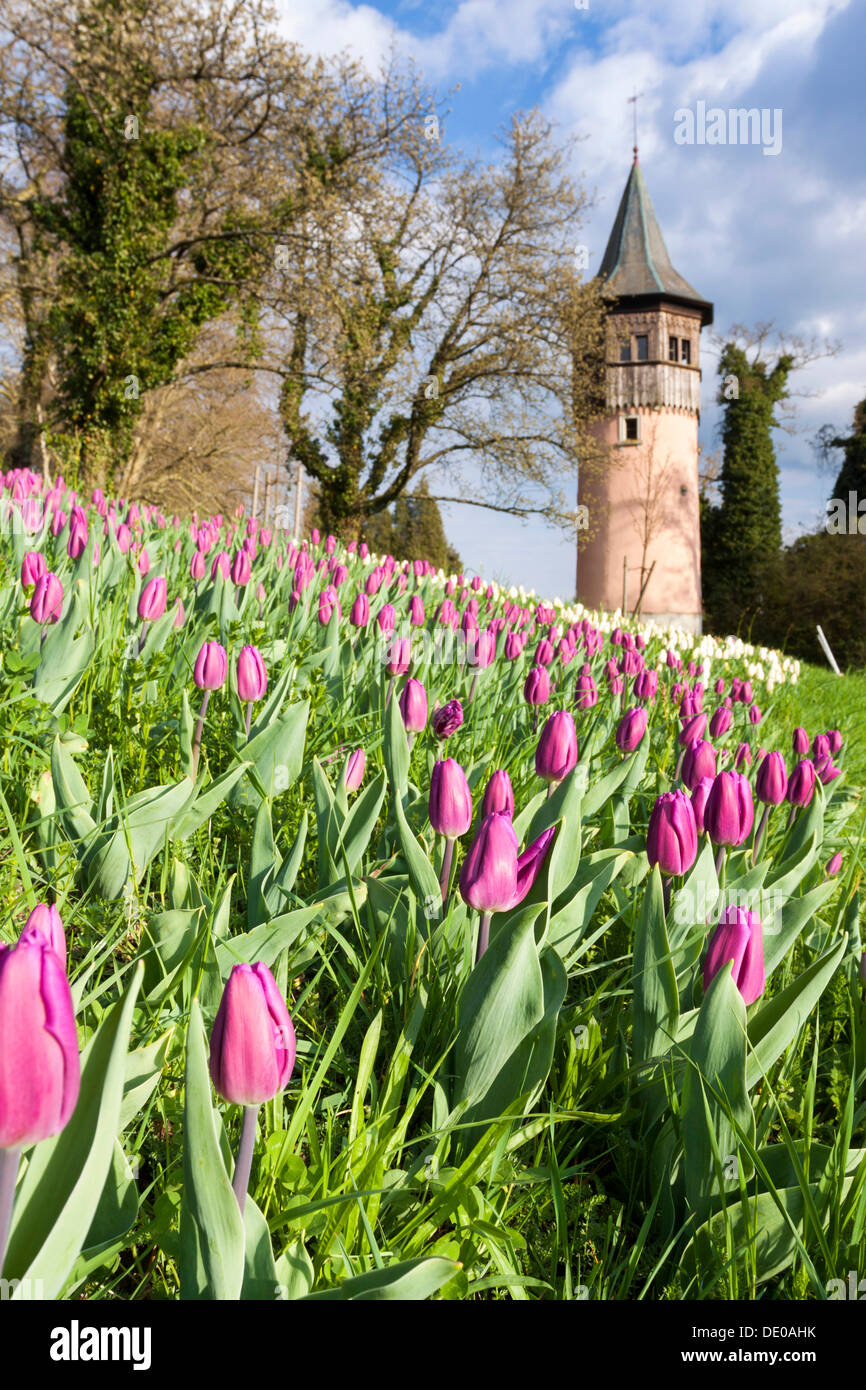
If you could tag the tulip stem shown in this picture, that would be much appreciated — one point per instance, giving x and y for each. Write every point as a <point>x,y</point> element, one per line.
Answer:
<point>759,835</point>
<point>445,876</point>
<point>678,768</point>
<point>244,1161</point>
<point>248,719</point>
<point>9,1159</point>
<point>196,739</point>
<point>483,935</point>
<point>472,688</point>
<point>390,692</point>
<point>791,816</point>
<point>667,887</point>
<point>720,861</point>
<point>142,639</point>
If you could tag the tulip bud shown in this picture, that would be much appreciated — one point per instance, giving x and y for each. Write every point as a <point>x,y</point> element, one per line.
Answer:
<point>536,687</point>
<point>488,878</point>
<point>693,728</point>
<point>771,783</point>
<point>47,600</point>
<point>44,922</point>
<point>151,604</point>
<point>672,837</point>
<point>252,675</point>
<point>738,938</point>
<point>743,756</point>
<point>499,796</point>
<point>755,715</point>
<point>450,802</point>
<point>729,813</point>
<point>720,722</point>
<point>353,772</point>
<point>413,707</point>
<point>40,1072</point>
<point>211,666</point>
<point>836,740</point>
<point>631,729</point>
<point>400,656</point>
<point>834,865</point>
<point>556,753</point>
<point>448,719</point>
<point>241,569</point>
<point>801,783</point>
<point>252,1048</point>
<point>33,567</point>
<point>699,761</point>
<point>699,801</point>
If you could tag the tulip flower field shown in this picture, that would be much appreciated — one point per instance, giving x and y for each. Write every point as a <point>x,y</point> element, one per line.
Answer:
<point>373,933</point>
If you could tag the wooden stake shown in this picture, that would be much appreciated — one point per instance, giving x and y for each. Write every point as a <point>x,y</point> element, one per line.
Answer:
<point>643,589</point>
<point>256,493</point>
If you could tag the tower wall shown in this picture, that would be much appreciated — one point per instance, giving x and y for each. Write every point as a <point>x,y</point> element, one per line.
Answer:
<point>643,501</point>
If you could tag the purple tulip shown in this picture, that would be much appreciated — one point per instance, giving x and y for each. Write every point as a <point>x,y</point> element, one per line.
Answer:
<point>801,783</point>
<point>499,796</point>
<point>151,604</point>
<point>699,801</point>
<point>531,862</point>
<point>450,803</point>
<point>825,770</point>
<point>631,729</point>
<point>448,719</point>
<point>399,656</point>
<point>353,772</point>
<point>730,812</point>
<point>211,667</point>
<point>33,567</point>
<point>646,684</point>
<point>720,722</point>
<point>834,865</point>
<point>252,1046</point>
<point>835,741</point>
<point>40,1073</point>
<point>699,761</point>
<point>672,837</point>
<point>536,687</point>
<point>386,618</point>
<point>739,938</point>
<point>743,756</point>
<point>488,878</point>
<point>251,674</point>
<point>47,599</point>
<point>693,728</point>
<point>755,715</point>
<point>413,706</point>
<point>771,783</point>
<point>556,753</point>
<point>197,566</point>
<point>800,742</point>
<point>44,922</point>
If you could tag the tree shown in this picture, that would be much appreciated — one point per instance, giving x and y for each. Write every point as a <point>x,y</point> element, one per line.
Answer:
<point>433,323</point>
<point>741,540</point>
<point>852,474</point>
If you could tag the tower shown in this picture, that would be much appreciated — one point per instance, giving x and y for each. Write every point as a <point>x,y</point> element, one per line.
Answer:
<point>643,510</point>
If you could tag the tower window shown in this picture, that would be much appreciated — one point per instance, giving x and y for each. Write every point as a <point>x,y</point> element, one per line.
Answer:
<point>629,429</point>
<point>642,347</point>
<point>687,350</point>
<point>673,349</point>
<point>625,350</point>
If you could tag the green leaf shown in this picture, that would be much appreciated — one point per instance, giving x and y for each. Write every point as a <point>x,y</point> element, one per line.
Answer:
<point>718,1062</point>
<point>422,875</point>
<point>395,750</point>
<point>212,1234</point>
<point>655,1004</point>
<point>206,802</point>
<point>410,1280</point>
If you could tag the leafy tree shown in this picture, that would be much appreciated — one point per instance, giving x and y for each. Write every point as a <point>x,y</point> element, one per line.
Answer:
<point>414,531</point>
<point>852,474</point>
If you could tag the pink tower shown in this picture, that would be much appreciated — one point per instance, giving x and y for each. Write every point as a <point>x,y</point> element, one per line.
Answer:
<point>643,531</point>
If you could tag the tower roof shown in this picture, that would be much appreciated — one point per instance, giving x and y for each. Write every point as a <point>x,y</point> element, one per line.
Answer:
<point>636,264</point>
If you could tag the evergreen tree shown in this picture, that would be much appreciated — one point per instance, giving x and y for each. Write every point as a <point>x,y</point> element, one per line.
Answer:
<point>742,538</point>
<point>852,475</point>
<point>413,532</point>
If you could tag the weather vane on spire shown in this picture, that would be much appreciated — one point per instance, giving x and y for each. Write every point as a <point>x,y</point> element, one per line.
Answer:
<point>634,100</point>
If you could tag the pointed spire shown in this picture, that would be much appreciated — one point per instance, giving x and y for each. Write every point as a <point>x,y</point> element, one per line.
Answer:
<point>636,261</point>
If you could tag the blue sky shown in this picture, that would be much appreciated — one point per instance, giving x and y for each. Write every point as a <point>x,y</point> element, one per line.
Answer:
<point>766,238</point>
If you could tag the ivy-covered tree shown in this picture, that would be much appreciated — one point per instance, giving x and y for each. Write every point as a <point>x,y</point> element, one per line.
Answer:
<point>741,540</point>
<point>852,474</point>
